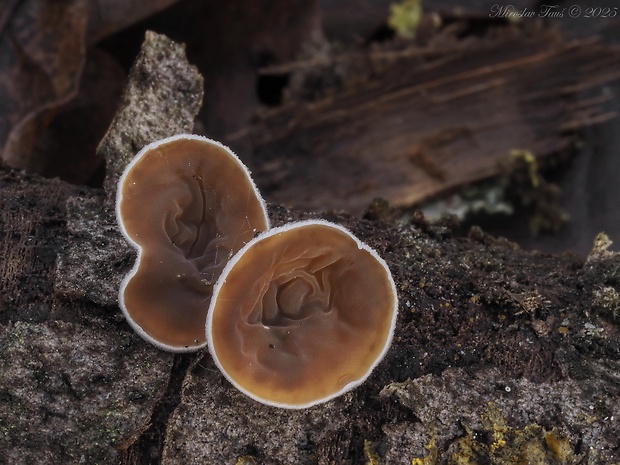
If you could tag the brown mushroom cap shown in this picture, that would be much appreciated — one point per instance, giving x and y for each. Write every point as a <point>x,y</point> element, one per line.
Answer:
<point>187,204</point>
<point>302,314</point>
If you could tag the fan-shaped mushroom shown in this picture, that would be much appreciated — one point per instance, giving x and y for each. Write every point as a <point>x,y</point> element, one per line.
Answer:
<point>302,314</point>
<point>187,204</point>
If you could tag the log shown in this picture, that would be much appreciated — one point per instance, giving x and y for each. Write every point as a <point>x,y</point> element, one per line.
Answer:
<point>499,354</point>
<point>409,122</point>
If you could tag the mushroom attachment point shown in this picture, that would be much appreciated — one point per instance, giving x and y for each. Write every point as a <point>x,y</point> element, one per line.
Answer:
<point>302,314</point>
<point>187,204</point>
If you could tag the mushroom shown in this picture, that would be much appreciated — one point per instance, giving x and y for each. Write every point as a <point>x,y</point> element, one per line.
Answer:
<point>301,314</point>
<point>187,204</point>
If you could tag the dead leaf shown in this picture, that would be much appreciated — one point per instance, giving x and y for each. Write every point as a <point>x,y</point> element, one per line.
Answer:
<point>43,49</point>
<point>42,46</point>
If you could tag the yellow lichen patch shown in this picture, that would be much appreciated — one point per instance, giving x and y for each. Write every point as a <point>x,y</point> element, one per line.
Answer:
<point>466,450</point>
<point>405,18</point>
<point>527,159</point>
<point>372,458</point>
<point>532,450</point>
<point>433,453</point>
<point>531,445</point>
<point>246,460</point>
<point>493,420</point>
<point>558,445</point>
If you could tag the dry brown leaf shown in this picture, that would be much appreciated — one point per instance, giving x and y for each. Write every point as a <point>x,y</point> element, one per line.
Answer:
<point>42,46</point>
<point>43,55</point>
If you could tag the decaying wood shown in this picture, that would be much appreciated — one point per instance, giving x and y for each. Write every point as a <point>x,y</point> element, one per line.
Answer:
<point>499,354</point>
<point>409,123</point>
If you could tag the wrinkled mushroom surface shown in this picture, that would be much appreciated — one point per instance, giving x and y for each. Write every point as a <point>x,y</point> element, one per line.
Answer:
<point>187,204</point>
<point>301,314</point>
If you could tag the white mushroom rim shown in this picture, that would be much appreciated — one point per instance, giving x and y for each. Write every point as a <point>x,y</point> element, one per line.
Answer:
<point>253,212</point>
<point>252,367</point>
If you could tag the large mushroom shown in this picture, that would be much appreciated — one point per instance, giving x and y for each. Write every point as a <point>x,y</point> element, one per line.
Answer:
<point>187,204</point>
<point>302,314</point>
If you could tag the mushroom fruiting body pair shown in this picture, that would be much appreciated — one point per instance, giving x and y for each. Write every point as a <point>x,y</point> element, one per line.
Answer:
<point>293,316</point>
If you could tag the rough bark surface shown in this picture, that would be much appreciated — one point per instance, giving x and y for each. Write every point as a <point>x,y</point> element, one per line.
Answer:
<point>499,356</point>
<point>162,98</point>
<point>412,121</point>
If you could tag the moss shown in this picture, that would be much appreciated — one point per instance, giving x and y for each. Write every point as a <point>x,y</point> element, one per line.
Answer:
<point>523,159</point>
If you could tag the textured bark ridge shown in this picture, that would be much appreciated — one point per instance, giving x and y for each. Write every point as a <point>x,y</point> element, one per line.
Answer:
<point>414,121</point>
<point>500,355</point>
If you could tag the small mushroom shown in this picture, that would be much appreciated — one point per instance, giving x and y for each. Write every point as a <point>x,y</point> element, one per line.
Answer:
<point>187,204</point>
<point>302,314</point>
